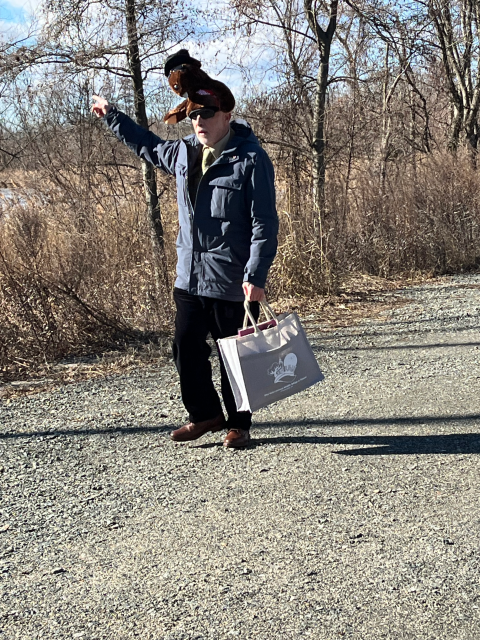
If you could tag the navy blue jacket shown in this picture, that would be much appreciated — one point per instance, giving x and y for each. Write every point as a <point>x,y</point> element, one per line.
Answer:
<point>230,235</point>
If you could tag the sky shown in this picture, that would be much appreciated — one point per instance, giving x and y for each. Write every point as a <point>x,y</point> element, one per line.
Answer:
<point>16,11</point>
<point>14,17</point>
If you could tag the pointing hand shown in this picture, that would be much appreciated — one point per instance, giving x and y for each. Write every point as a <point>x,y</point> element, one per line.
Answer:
<point>100,106</point>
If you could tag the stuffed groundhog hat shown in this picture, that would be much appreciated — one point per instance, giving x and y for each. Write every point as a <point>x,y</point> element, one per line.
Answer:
<point>188,80</point>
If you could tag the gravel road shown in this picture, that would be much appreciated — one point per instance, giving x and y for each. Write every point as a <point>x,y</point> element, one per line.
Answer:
<point>355,513</point>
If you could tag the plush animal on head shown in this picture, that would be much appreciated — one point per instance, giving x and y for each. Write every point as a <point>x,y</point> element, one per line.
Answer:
<point>188,80</point>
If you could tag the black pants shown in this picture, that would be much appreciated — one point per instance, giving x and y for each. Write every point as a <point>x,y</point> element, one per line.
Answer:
<point>198,316</point>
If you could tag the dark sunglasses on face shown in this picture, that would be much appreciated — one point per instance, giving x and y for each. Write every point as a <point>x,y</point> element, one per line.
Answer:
<point>179,67</point>
<point>205,114</point>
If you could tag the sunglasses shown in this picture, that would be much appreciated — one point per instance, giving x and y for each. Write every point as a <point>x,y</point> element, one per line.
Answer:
<point>205,114</point>
<point>179,67</point>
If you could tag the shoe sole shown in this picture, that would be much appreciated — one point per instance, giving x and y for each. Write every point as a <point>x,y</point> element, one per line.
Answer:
<point>238,446</point>
<point>220,428</point>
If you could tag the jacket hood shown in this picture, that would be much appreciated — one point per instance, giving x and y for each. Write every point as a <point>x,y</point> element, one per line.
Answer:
<point>243,130</point>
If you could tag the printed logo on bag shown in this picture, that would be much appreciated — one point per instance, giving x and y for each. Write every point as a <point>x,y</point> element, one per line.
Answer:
<point>283,368</point>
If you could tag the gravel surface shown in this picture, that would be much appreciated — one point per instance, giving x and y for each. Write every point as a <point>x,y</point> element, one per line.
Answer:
<point>355,513</point>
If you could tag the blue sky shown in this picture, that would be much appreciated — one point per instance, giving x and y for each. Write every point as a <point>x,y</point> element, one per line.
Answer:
<point>12,12</point>
<point>9,13</point>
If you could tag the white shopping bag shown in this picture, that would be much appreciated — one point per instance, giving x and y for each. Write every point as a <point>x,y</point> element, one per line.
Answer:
<point>269,365</point>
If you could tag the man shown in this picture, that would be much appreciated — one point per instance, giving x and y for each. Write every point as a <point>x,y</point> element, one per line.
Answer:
<point>226,244</point>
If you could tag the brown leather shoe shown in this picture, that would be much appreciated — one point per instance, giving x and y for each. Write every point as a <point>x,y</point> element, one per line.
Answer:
<point>194,430</point>
<point>237,438</point>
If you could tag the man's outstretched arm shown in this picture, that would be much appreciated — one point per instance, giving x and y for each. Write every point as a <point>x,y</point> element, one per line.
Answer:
<point>144,143</point>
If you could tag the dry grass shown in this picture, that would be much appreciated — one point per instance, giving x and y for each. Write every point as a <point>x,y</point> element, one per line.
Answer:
<point>427,220</point>
<point>77,270</point>
<point>359,297</point>
<point>77,277</point>
<point>75,369</point>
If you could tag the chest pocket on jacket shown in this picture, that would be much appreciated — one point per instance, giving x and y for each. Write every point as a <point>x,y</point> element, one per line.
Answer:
<point>227,198</point>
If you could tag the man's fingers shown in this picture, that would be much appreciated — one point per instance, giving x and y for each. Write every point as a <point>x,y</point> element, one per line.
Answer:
<point>100,106</point>
<point>253,293</point>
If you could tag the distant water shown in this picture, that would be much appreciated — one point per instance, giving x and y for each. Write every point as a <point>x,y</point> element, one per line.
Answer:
<point>15,196</point>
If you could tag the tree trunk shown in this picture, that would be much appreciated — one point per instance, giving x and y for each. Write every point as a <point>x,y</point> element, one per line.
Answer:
<point>148,171</point>
<point>386,126</point>
<point>413,133</point>
<point>472,144</point>
<point>318,146</point>
<point>461,67</point>
<point>455,128</point>
<point>324,41</point>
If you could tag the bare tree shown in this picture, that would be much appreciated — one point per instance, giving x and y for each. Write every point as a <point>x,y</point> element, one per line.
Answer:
<point>457,24</point>
<point>323,38</point>
<point>135,66</point>
<point>307,30</point>
<point>399,35</point>
<point>123,39</point>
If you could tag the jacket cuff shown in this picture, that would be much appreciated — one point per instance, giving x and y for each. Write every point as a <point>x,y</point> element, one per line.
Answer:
<point>254,279</point>
<point>110,115</point>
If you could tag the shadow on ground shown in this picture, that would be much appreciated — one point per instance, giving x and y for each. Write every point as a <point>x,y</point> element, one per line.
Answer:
<point>389,445</point>
<point>453,443</point>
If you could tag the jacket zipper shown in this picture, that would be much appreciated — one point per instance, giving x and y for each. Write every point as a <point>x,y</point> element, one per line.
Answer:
<point>200,181</point>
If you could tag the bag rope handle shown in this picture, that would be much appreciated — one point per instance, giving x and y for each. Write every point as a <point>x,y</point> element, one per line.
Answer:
<point>267,310</point>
